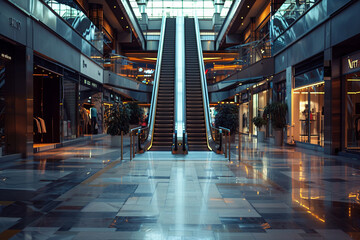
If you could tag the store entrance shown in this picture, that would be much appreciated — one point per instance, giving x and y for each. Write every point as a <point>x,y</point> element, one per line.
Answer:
<point>352,107</point>
<point>46,115</point>
<point>91,108</point>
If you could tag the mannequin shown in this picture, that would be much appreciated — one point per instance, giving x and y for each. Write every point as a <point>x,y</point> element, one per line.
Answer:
<point>93,116</point>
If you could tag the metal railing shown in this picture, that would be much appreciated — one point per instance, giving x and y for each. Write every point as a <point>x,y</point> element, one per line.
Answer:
<point>131,70</point>
<point>221,137</point>
<point>138,138</point>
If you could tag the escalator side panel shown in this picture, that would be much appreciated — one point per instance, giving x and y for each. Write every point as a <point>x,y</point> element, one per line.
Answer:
<point>164,116</point>
<point>195,118</point>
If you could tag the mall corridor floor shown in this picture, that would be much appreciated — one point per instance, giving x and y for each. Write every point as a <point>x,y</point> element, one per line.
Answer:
<point>86,192</point>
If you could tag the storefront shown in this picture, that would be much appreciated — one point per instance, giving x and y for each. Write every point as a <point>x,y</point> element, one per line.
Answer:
<point>351,81</point>
<point>69,103</point>
<point>308,107</point>
<point>55,109</point>
<point>259,101</point>
<point>90,107</point>
<point>47,80</point>
<point>244,113</point>
<point>6,73</point>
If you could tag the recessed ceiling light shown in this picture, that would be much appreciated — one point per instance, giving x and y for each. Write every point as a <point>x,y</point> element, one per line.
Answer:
<point>248,6</point>
<point>114,6</point>
<point>242,17</point>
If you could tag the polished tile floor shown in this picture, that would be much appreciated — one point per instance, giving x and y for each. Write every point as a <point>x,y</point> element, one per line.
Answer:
<point>86,192</point>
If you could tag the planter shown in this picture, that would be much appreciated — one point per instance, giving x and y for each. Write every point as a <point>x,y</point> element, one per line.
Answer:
<point>278,137</point>
<point>115,141</point>
<point>260,136</point>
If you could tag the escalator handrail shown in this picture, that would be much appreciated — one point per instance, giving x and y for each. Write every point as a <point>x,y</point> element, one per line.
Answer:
<point>205,95</point>
<point>152,111</point>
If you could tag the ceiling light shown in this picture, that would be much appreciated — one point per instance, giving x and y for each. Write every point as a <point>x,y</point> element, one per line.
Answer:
<point>114,6</point>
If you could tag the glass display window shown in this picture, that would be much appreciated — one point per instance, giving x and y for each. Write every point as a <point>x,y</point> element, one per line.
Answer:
<point>352,109</point>
<point>244,118</point>
<point>308,114</point>
<point>259,104</point>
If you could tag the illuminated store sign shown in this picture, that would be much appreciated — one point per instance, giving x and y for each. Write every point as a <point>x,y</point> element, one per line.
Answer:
<point>351,63</point>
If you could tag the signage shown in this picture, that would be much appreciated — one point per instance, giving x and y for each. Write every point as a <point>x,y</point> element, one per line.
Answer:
<point>14,23</point>
<point>149,71</point>
<point>89,83</point>
<point>351,63</point>
<point>90,69</point>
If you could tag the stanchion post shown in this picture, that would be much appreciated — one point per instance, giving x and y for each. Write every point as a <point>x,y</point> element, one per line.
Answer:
<point>225,143</point>
<point>134,145</point>
<point>130,145</point>
<point>122,145</point>
<point>219,150</point>
<point>239,146</point>
<point>229,144</point>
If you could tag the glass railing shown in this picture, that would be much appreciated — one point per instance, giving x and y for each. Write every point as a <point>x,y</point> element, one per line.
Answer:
<point>73,15</point>
<point>48,16</point>
<point>287,14</point>
<point>246,54</point>
<point>121,65</point>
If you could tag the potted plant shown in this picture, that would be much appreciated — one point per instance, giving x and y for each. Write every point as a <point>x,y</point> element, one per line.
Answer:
<point>117,121</point>
<point>136,113</point>
<point>259,122</point>
<point>227,117</point>
<point>276,112</point>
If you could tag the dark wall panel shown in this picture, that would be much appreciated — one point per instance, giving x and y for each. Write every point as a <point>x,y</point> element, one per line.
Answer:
<point>346,24</point>
<point>17,30</point>
<point>49,45</point>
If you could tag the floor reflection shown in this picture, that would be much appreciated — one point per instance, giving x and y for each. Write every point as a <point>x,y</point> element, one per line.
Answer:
<point>85,192</point>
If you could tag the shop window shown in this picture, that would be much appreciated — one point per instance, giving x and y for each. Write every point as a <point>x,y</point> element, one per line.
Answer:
<point>259,103</point>
<point>244,118</point>
<point>352,108</point>
<point>46,106</point>
<point>308,114</point>
<point>91,108</point>
<point>69,109</point>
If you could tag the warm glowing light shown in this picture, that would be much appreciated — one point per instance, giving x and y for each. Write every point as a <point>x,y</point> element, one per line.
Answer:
<point>310,85</point>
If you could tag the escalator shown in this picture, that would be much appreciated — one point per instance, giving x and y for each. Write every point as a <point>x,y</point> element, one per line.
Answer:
<point>195,118</point>
<point>164,115</point>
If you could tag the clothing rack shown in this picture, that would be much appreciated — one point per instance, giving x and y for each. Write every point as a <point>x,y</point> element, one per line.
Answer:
<point>39,127</point>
